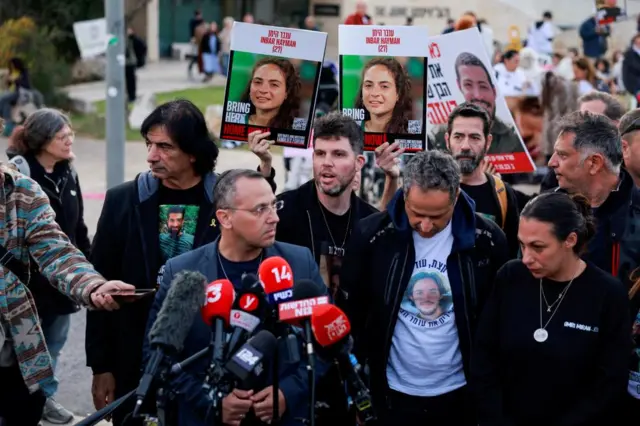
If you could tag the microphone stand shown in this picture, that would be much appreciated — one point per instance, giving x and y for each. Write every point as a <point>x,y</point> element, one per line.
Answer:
<point>99,415</point>
<point>216,382</point>
<point>311,369</point>
<point>275,374</point>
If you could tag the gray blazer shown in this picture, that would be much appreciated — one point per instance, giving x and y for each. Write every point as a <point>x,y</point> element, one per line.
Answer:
<point>293,379</point>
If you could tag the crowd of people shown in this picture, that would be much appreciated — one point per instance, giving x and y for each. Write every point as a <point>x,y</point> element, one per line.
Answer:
<point>470,302</point>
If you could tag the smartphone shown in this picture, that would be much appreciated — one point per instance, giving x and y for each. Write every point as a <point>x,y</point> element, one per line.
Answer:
<point>128,295</point>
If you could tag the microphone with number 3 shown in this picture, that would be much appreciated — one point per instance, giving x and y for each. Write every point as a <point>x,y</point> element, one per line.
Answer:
<point>219,297</point>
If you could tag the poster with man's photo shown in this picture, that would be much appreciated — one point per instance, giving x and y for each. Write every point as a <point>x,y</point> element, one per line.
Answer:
<point>382,83</point>
<point>460,71</point>
<point>273,81</point>
<point>610,11</point>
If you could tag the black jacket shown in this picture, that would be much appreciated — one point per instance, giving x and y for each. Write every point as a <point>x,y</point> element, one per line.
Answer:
<point>379,263</point>
<point>66,201</point>
<point>301,221</point>
<point>126,247</point>
<point>631,71</point>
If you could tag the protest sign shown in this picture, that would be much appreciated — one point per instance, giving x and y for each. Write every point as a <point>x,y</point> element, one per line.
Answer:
<point>382,83</point>
<point>460,71</point>
<point>273,83</point>
<point>610,11</point>
<point>92,37</point>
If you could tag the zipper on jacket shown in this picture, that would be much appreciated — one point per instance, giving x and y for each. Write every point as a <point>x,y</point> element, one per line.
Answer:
<point>313,245</point>
<point>464,298</point>
<point>390,275</point>
<point>473,290</point>
<point>395,310</point>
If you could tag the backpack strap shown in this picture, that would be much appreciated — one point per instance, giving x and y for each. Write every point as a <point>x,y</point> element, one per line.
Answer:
<point>501,192</point>
<point>21,164</point>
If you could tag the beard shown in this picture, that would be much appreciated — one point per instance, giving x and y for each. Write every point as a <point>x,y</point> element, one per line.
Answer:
<point>491,110</point>
<point>343,183</point>
<point>468,161</point>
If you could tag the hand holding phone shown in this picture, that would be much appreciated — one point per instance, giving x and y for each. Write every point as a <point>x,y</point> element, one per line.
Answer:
<point>127,296</point>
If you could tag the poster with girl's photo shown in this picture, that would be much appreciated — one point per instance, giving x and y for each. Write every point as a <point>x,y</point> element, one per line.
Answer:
<point>382,83</point>
<point>273,82</point>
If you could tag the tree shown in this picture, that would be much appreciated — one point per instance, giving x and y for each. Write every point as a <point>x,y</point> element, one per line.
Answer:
<point>58,16</point>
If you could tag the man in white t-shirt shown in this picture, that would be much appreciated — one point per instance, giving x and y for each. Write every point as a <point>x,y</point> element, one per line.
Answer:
<point>512,81</point>
<point>416,277</point>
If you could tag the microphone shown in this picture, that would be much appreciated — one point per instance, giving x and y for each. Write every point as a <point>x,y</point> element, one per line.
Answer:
<point>277,279</point>
<point>247,361</point>
<point>306,295</point>
<point>331,330</point>
<point>219,296</point>
<point>171,327</point>
<point>248,311</point>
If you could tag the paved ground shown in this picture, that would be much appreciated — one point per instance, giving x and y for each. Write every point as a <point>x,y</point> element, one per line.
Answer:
<point>165,76</point>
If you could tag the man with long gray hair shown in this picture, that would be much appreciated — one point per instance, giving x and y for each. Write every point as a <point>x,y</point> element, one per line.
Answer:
<point>417,338</point>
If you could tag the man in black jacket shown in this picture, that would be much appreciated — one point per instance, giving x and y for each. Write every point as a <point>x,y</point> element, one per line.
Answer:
<point>416,278</point>
<point>137,233</point>
<point>321,214</point>
<point>468,139</point>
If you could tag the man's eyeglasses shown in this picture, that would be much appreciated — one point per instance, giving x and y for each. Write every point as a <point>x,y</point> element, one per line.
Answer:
<point>263,209</point>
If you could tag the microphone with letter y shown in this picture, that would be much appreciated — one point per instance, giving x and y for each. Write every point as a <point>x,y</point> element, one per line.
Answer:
<point>248,311</point>
<point>331,330</point>
<point>171,327</point>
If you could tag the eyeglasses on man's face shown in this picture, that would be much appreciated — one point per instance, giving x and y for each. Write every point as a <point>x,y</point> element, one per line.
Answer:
<point>262,210</point>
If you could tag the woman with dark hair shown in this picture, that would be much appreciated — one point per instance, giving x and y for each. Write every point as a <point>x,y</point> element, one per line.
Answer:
<point>385,97</point>
<point>587,77</point>
<point>553,340</point>
<point>273,94</point>
<point>44,152</point>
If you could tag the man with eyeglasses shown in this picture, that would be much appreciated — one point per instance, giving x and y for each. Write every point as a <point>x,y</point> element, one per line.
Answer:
<point>247,212</point>
<point>162,213</point>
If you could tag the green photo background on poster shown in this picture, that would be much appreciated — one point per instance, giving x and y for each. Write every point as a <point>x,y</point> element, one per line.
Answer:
<point>351,79</point>
<point>242,66</point>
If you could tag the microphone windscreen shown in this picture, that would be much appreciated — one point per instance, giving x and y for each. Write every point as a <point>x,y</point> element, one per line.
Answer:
<point>307,289</point>
<point>184,299</point>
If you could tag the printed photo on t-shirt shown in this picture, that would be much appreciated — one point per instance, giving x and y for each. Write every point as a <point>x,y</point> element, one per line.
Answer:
<point>330,266</point>
<point>177,229</point>
<point>428,301</point>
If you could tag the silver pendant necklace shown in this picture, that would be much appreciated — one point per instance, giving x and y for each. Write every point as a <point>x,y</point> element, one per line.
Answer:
<point>225,272</point>
<point>541,334</point>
